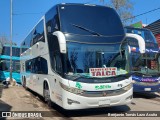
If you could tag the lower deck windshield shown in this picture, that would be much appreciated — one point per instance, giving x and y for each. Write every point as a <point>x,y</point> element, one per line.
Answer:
<point>145,64</point>
<point>92,60</point>
<point>5,65</point>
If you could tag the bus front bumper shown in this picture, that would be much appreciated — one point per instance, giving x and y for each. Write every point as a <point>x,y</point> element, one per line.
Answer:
<point>141,88</point>
<point>72,101</point>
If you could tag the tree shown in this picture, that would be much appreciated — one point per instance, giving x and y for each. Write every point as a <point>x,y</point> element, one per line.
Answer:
<point>4,40</point>
<point>123,7</point>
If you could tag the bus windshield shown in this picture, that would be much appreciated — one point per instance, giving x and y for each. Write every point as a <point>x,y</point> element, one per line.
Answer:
<point>15,51</point>
<point>83,59</point>
<point>144,33</point>
<point>89,20</point>
<point>145,64</point>
<point>5,65</point>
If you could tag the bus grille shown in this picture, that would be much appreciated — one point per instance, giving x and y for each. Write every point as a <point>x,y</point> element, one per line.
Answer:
<point>106,93</point>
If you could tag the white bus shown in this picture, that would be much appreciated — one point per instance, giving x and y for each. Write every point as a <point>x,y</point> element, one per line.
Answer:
<point>76,57</point>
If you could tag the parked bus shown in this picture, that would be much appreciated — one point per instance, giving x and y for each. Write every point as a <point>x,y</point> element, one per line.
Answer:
<point>77,59</point>
<point>5,63</point>
<point>145,67</point>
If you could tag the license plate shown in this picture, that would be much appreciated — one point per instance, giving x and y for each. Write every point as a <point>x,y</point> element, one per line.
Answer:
<point>104,102</point>
<point>147,89</point>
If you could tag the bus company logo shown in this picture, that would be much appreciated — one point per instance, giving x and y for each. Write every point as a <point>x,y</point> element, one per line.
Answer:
<point>104,93</point>
<point>78,85</point>
<point>101,87</point>
<point>147,80</point>
<point>103,72</point>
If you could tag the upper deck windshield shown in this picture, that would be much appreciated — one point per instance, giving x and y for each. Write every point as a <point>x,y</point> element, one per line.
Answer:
<point>90,20</point>
<point>147,35</point>
<point>15,51</point>
<point>83,58</point>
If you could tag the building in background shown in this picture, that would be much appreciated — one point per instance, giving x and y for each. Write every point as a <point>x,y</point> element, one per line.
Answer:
<point>155,28</point>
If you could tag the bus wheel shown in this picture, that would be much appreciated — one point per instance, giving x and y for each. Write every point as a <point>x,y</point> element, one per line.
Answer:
<point>47,95</point>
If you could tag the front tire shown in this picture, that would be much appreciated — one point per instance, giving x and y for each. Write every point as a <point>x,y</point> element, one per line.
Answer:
<point>46,95</point>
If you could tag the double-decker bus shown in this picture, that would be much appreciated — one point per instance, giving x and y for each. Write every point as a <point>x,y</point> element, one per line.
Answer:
<point>145,67</point>
<point>5,63</point>
<point>76,57</point>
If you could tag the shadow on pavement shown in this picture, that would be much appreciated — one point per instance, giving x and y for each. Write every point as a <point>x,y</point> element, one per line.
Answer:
<point>145,95</point>
<point>96,112</point>
<point>3,106</point>
<point>57,111</point>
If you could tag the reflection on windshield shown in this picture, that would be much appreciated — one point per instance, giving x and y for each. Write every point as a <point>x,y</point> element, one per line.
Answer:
<point>5,65</point>
<point>146,64</point>
<point>83,59</point>
<point>92,18</point>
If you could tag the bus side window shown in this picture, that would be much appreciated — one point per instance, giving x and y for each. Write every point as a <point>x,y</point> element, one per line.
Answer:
<point>28,66</point>
<point>44,66</point>
<point>38,33</point>
<point>57,63</point>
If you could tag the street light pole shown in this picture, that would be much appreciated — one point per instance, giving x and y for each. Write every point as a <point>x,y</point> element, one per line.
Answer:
<point>11,42</point>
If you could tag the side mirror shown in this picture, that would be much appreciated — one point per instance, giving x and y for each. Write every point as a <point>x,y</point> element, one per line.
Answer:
<point>61,40</point>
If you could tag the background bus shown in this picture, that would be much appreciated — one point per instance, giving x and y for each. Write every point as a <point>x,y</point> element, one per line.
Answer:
<point>76,60</point>
<point>1,46</point>
<point>145,66</point>
<point>5,63</point>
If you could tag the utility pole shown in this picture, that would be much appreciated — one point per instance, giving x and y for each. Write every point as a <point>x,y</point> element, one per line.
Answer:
<point>11,41</point>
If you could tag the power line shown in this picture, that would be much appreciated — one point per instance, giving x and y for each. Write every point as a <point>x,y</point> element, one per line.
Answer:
<point>142,14</point>
<point>90,1</point>
<point>28,13</point>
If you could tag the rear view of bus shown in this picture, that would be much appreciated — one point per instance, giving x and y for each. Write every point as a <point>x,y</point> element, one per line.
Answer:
<point>87,60</point>
<point>145,66</point>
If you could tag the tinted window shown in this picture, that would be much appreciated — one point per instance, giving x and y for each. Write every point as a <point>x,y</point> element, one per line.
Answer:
<point>132,42</point>
<point>38,33</point>
<point>5,65</point>
<point>15,51</point>
<point>37,65</point>
<point>55,56</point>
<point>58,63</point>
<point>103,20</point>
<point>52,20</point>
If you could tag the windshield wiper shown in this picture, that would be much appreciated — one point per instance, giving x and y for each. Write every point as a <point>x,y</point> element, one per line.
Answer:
<point>86,29</point>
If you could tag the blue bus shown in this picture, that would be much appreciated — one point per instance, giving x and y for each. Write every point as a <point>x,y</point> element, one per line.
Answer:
<point>5,63</point>
<point>145,67</point>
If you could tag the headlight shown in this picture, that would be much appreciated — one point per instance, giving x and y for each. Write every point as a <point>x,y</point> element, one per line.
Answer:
<point>71,89</point>
<point>128,87</point>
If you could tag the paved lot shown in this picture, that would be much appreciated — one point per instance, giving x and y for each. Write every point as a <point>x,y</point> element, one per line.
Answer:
<point>16,98</point>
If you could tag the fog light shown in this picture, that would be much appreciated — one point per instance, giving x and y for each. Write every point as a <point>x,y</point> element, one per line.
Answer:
<point>72,101</point>
<point>129,97</point>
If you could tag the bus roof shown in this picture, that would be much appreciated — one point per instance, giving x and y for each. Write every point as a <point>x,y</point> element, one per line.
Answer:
<point>130,27</point>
